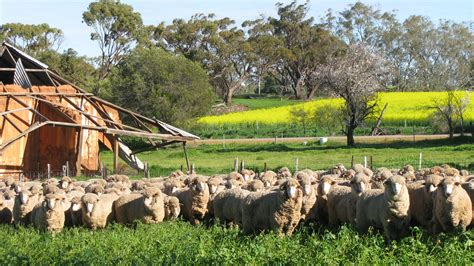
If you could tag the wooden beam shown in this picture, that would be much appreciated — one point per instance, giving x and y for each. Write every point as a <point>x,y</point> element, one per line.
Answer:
<point>24,133</point>
<point>116,154</point>
<point>186,157</point>
<point>154,147</point>
<point>13,111</point>
<point>80,139</point>
<point>43,94</point>
<point>31,109</point>
<point>147,135</point>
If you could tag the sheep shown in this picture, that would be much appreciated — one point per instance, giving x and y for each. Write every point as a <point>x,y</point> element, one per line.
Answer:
<point>172,207</point>
<point>387,209</point>
<point>122,189</point>
<point>177,173</point>
<point>308,208</point>
<point>284,173</point>
<point>120,179</point>
<point>194,199</point>
<point>97,211</point>
<point>379,177</point>
<point>268,178</point>
<point>96,188</point>
<point>51,189</point>
<point>66,183</point>
<point>323,189</point>
<point>147,207</point>
<point>359,168</point>
<point>421,200</point>
<point>342,201</point>
<point>247,174</point>
<point>6,214</point>
<point>232,183</point>
<point>215,188</point>
<point>227,205</point>
<point>25,201</point>
<point>469,187</point>
<point>74,212</point>
<point>279,211</point>
<point>170,185</point>
<point>49,216</point>
<point>254,185</point>
<point>452,207</point>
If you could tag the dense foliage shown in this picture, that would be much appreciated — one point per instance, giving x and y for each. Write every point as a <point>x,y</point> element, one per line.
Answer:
<point>158,84</point>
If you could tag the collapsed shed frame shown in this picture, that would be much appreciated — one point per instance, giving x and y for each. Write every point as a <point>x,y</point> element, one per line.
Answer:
<point>69,105</point>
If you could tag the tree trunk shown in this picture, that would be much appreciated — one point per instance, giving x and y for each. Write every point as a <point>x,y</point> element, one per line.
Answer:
<point>298,89</point>
<point>228,98</point>
<point>311,92</point>
<point>451,129</point>
<point>350,136</point>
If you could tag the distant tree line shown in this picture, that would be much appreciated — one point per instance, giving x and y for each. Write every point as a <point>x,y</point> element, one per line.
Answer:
<point>291,54</point>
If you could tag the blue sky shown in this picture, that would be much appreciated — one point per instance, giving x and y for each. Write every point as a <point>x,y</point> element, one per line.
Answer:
<point>67,15</point>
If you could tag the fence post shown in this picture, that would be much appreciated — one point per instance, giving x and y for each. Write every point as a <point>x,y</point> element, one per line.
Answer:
<point>67,168</point>
<point>49,171</point>
<point>365,161</point>
<point>275,139</point>
<point>419,162</point>
<point>236,164</point>
<point>193,169</point>
<point>64,171</point>
<point>296,165</point>
<point>145,169</point>
<point>371,163</point>
<point>264,166</point>
<point>352,161</point>
<point>242,165</point>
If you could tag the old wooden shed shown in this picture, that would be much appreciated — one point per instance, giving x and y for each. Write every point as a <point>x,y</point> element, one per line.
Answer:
<point>45,119</point>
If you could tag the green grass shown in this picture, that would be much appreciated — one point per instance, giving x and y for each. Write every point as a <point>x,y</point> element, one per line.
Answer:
<point>213,159</point>
<point>262,103</point>
<point>180,243</point>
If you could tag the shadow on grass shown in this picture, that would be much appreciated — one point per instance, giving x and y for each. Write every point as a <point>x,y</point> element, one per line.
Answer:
<point>280,147</point>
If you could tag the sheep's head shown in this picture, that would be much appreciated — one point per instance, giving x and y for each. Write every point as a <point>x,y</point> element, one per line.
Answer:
<point>325,184</point>
<point>306,184</point>
<point>50,188</point>
<point>199,185</point>
<point>407,169</point>
<point>436,170</point>
<point>89,201</point>
<point>172,184</point>
<point>348,174</point>
<point>268,178</point>
<point>9,181</point>
<point>236,176</point>
<point>395,185</point>
<point>232,183</point>
<point>176,173</point>
<point>448,186</point>
<point>360,183</point>
<point>138,185</point>
<point>172,207</point>
<point>65,182</point>
<point>247,174</point>
<point>256,185</point>
<point>290,188</point>
<point>95,188</point>
<point>432,182</point>
<point>464,173</point>
<point>213,183</point>
<point>451,172</point>
<point>76,203</point>
<point>151,195</point>
<point>24,196</point>
<point>9,194</point>
<point>55,201</point>
<point>284,172</point>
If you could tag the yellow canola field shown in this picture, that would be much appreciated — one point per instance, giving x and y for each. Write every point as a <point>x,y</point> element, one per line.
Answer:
<point>402,106</point>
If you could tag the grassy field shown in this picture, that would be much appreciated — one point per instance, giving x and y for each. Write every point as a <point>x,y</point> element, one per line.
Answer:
<point>179,243</point>
<point>262,103</point>
<point>213,159</point>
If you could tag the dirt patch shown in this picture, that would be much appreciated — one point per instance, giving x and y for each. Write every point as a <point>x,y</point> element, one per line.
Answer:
<point>221,109</point>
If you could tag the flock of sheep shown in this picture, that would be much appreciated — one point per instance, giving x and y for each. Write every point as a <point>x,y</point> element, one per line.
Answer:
<point>439,198</point>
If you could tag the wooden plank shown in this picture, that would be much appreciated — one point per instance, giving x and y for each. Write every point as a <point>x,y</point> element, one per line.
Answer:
<point>24,133</point>
<point>43,94</point>
<point>80,139</point>
<point>147,135</point>
<point>116,154</point>
<point>13,111</point>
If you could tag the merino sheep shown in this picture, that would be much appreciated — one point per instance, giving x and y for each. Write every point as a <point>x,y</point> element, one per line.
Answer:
<point>6,214</point>
<point>120,179</point>
<point>215,187</point>
<point>342,201</point>
<point>95,188</point>
<point>227,205</point>
<point>25,201</point>
<point>254,185</point>
<point>284,173</point>
<point>66,183</point>
<point>194,199</point>
<point>452,207</point>
<point>421,200</point>
<point>147,207</point>
<point>268,178</point>
<point>385,209</point>
<point>49,216</point>
<point>469,187</point>
<point>97,211</point>
<point>247,174</point>
<point>279,211</point>
<point>308,208</point>
<point>172,207</point>
<point>323,189</point>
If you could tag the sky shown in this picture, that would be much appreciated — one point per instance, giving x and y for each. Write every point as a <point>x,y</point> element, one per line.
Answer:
<point>67,14</point>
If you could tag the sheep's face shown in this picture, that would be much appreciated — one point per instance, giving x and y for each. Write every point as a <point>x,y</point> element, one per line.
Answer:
<point>290,188</point>
<point>89,201</point>
<point>54,201</point>
<point>231,184</point>
<point>256,185</point>
<point>394,185</point>
<point>431,183</point>
<point>24,197</point>
<point>326,184</point>
<point>75,204</point>
<point>448,186</point>
<point>199,185</point>
<point>360,183</point>
<point>173,208</point>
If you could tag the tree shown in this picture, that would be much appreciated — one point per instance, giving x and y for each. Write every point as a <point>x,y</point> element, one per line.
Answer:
<point>217,45</point>
<point>298,46</point>
<point>451,109</point>
<point>167,86</point>
<point>116,28</point>
<point>71,66</point>
<point>32,38</point>
<point>301,116</point>
<point>329,117</point>
<point>355,77</point>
